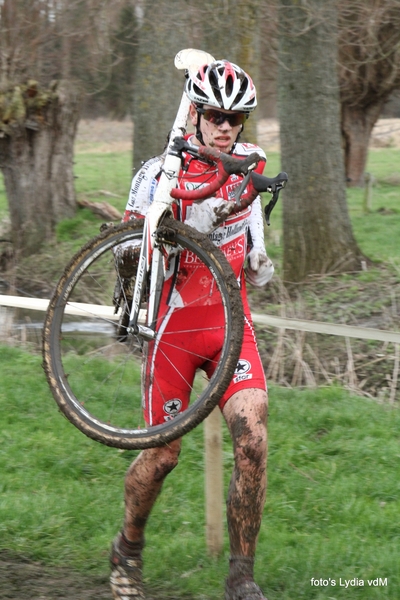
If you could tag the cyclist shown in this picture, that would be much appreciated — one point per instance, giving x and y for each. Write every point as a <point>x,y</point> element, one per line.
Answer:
<point>222,97</point>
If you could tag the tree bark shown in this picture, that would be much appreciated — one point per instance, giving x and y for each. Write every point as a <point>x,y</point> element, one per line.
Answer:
<point>231,33</point>
<point>158,84</point>
<point>234,34</point>
<point>248,56</point>
<point>357,125</point>
<point>317,232</point>
<point>36,158</point>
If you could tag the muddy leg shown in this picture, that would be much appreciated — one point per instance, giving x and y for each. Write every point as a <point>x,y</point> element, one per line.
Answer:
<point>143,484</point>
<point>246,416</point>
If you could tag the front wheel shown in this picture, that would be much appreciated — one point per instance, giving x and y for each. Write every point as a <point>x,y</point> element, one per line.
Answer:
<point>96,368</point>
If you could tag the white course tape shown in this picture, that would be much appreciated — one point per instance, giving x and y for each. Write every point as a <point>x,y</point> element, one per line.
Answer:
<point>350,331</point>
<point>73,308</point>
<point>107,312</point>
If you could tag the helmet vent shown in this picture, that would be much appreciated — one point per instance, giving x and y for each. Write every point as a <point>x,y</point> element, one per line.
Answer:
<point>229,85</point>
<point>199,92</point>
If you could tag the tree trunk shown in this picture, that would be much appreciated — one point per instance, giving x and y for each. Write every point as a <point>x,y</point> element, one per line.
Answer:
<point>234,34</point>
<point>231,33</point>
<point>158,84</point>
<point>36,158</point>
<point>248,57</point>
<point>357,125</point>
<point>317,233</point>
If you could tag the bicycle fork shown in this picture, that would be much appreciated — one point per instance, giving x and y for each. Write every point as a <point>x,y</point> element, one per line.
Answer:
<point>136,327</point>
<point>151,270</point>
<point>151,258</point>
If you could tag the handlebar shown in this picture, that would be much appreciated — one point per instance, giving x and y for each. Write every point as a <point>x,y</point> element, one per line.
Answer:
<point>226,165</point>
<point>253,183</point>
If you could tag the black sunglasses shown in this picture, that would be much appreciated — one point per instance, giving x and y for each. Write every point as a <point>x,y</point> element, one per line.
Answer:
<point>217,117</point>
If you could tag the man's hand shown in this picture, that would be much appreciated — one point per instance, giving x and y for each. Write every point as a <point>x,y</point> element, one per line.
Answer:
<point>259,269</point>
<point>206,215</point>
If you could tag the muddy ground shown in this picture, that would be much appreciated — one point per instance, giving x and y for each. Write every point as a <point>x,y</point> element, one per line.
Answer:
<point>21,579</point>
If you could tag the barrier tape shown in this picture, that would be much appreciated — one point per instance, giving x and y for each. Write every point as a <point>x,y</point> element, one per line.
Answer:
<point>350,331</point>
<point>107,312</point>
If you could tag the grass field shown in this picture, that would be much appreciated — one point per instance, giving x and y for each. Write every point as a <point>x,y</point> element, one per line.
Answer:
<point>333,507</point>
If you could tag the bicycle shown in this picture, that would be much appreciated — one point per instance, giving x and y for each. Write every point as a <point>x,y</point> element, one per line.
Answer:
<point>97,381</point>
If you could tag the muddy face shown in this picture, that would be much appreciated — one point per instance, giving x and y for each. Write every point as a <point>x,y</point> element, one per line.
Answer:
<point>222,137</point>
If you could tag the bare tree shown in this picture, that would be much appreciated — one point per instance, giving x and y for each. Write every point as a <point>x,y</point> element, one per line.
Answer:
<point>317,231</point>
<point>368,63</point>
<point>43,47</point>
<point>369,71</point>
<point>114,98</point>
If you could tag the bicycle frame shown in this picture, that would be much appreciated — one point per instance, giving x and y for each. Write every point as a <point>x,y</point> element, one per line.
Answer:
<point>151,259</point>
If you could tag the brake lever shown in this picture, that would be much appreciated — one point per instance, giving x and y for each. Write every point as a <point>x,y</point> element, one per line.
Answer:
<point>240,188</point>
<point>179,145</point>
<point>271,204</point>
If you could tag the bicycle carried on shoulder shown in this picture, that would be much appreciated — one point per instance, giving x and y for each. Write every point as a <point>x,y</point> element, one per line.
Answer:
<point>95,379</point>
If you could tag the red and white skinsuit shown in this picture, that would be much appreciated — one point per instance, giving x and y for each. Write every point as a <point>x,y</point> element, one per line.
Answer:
<point>188,298</point>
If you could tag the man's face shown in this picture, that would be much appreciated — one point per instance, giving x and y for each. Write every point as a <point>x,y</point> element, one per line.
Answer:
<point>218,133</point>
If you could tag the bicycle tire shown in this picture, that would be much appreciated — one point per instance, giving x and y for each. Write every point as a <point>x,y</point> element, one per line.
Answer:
<point>79,373</point>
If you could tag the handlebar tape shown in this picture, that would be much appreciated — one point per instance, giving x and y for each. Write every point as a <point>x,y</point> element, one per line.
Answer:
<point>226,165</point>
<point>202,193</point>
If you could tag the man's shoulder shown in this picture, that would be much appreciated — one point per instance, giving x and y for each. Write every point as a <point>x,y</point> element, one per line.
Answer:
<point>245,148</point>
<point>153,162</point>
<point>149,169</point>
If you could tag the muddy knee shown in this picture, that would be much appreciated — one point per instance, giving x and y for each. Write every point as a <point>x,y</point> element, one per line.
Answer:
<point>251,450</point>
<point>166,459</point>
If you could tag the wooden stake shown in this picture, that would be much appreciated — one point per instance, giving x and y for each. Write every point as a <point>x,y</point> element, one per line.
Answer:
<point>367,202</point>
<point>214,482</point>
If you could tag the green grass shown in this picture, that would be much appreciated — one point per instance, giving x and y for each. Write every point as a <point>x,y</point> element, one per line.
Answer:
<point>377,232</point>
<point>333,507</point>
<point>107,172</point>
<point>95,175</point>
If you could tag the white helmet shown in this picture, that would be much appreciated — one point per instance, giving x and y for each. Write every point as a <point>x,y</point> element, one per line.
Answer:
<point>224,85</point>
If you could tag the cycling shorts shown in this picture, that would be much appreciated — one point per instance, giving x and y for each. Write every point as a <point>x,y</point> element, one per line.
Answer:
<point>166,388</point>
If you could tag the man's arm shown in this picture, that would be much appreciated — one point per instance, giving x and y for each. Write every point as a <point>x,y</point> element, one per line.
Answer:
<point>143,187</point>
<point>259,269</point>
